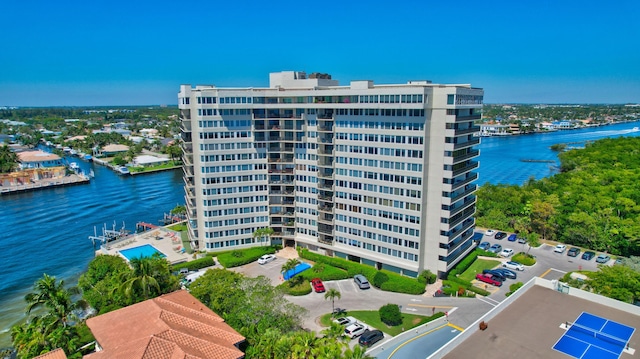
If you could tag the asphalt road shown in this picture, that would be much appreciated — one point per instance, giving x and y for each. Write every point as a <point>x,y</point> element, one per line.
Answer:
<point>462,312</point>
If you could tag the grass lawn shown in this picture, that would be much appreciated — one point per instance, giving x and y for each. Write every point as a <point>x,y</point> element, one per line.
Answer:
<point>372,319</point>
<point>477,267</point>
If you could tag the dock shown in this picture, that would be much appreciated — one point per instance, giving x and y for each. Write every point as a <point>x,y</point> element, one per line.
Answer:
<point>69,180</point>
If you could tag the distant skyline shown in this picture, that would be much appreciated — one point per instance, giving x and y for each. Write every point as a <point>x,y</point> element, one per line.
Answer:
<point>125,53</point>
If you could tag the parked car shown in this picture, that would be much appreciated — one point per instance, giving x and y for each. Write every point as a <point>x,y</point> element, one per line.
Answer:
<point>513,265</point>
<point>560,248</point>
<point>489,278</point>
<point>603,258</point>
<point>495,273</point>
<point>361,281</point>
<point>484,246</point>
<point>370,337</point>
<point>573,252</point>
<point>588,255</point>
<point>507,252</point>
<point>338,311</point>
<point>266,258</point>
<point>496,248</point>
<point>490,233</point>
<point>618,261</point>
<point>317,285</point>
<point>354,330</point>
<point>512,237</point>
<point>507,273</point>
<point>521,240</point>
<point>500,235</point>
<point>346,321</point>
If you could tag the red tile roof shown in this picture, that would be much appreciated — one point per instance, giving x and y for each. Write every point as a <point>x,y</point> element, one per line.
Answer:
<point>175,325</point>
<point>54,354</point>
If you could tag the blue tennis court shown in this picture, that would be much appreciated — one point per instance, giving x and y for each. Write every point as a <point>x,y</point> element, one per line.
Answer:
<point>594,337</point>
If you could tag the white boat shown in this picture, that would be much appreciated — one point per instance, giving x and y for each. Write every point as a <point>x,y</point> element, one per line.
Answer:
<point>73,152</point>
<point>123,170</point>
<point>74,166</point>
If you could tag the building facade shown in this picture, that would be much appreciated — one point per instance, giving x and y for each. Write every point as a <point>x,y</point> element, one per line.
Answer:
<point>380,174</point>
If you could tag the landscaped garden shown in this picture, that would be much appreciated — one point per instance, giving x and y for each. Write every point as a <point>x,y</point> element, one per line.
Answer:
<point>372,319</point>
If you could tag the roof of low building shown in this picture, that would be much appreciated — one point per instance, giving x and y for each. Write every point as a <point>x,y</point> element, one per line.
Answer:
<point>175,325</point>
<point>54,354</point>
<point>148,159</point>
<point>115,148</point>
<point>37,156</point>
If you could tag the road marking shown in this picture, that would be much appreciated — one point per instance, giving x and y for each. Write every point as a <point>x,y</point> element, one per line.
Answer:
<point>416,300</point>
<point>430,306</point>
<point>482,299</point>
<point>411,309</point>
<point>545,273</point>
<point>414,338</point>
<point>456,327</point>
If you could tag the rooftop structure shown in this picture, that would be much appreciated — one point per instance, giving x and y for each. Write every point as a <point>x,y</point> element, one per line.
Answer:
<point>38,159</point>
<point>380,174</point>
<point>174,325</point>
<point>529,323</point>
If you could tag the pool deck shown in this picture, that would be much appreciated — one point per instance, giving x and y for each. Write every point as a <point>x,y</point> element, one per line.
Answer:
<point>166,241</point>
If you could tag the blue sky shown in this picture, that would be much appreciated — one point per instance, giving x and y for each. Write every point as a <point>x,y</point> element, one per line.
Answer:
<point>93,53</point>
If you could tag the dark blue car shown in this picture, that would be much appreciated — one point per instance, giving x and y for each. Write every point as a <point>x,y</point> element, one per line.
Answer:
<point>512,237</point>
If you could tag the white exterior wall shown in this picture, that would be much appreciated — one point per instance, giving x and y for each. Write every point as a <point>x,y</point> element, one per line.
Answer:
<point>395,247</point>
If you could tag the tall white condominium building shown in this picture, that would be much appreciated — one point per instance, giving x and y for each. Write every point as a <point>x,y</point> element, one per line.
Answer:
<point>379,174</point>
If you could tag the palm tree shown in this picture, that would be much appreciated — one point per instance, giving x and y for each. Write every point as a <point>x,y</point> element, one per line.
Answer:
<point>289,265</point>
<point>52,295</point>
<point>142,279</point>
<point>303,345</point>
<point>356,353</point>
<point>262,232</point>
<point>332,294</point>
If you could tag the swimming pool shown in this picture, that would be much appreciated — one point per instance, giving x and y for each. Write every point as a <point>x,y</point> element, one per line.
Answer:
<point>298,269</point>
<point>146,250</point>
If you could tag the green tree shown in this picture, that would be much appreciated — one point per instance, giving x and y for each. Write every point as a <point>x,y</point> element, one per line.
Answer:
<point>150,277</point>
<point>617,282</point>
<point>264,232</point>
<point>174,151</point>
<point>331,295</point>
<point>8,159</point>
<point>289,265</point>
<point>100,282</point>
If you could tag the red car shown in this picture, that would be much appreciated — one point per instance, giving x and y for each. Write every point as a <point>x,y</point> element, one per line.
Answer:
<point>317,285</point>
<point>488,278</point>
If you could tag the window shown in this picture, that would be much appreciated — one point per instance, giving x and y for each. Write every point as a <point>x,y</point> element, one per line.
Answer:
<point>450,99</point>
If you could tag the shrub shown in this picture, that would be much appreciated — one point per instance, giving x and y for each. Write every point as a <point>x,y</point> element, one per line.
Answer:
<point>379,279</point>
<point>390,314</point>
<point>195,264</point>
<point>303,288</point>
<point>427,277</point>
<point>240,257</point>
<point>324,272</point>
<point>526,259</point>
<point>513,287</point>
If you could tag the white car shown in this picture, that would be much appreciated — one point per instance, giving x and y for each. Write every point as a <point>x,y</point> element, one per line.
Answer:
<point>490,233</point>
<point>560,248</point>
<point>266,258</point>
<point>346,321</point>
<point>507,252</point>
<point>354,330</point>
<point>513,265</point>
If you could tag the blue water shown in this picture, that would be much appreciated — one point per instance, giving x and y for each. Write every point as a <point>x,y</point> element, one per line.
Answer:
<point>46,231</point>
<point>501,157</point>
<point>142,251</point>
<point>297,270</point>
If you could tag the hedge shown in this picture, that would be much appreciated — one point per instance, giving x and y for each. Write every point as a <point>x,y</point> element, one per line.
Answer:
<point>195,264</point>
<point>387,280</point>
<point>240,257</point>
<point>325,272</point>
<point>303,288</point>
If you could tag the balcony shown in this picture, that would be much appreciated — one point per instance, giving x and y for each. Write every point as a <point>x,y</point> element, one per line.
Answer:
<point>325,207</point>
<point>460,207</point>
<point>325,239</point>
<point>473,165</point>
<point>461,217</point>
<point>460,183</point>
<point>471,154</point>
<point>472,142</point>
<point>468,118</point>
<point>468,223</point>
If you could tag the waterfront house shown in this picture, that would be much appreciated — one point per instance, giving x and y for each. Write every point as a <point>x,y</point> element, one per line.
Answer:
<point>113,149</point>
<point>148,160</point>
<point>149,132</point>
<point>175,325</point>
<point>34,166</point>
<point>494,130</point>
<point>563,125</point>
